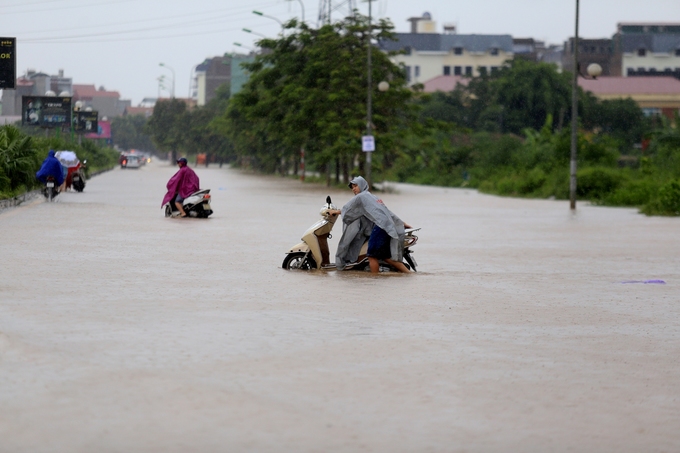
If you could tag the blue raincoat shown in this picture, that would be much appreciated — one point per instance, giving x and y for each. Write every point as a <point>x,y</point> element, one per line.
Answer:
<point>51,167</point>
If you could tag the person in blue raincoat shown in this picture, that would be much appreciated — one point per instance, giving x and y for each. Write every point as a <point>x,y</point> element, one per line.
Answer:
<point>51,167</point>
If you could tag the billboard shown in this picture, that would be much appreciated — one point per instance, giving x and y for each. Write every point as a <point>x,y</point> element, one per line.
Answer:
<point>45,111</point>
<point>103,130</point>
<point>86,122</point>
<point>8,63</point>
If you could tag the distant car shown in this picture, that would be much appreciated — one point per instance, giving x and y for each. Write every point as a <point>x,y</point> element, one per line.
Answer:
<point>130,161</point>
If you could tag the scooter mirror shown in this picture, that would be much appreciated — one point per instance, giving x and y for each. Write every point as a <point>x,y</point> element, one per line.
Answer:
<point>328,199</point>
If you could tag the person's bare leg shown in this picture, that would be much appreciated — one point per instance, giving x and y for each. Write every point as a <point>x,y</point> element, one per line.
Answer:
<point>398,265</point>
<point>374,264</point>
<point>181,208</point>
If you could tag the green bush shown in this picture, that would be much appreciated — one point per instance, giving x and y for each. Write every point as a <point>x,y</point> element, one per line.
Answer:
<point>667,200</point>
<point>596,183</point>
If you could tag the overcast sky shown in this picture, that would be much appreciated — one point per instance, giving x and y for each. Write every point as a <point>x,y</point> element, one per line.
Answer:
<point>119,44</point>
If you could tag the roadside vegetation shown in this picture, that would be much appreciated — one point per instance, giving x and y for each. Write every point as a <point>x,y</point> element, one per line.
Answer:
<point>505,133</point>
<point>21,155</point>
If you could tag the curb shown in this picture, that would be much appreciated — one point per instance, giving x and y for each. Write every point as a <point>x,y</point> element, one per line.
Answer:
<point>28,196</point>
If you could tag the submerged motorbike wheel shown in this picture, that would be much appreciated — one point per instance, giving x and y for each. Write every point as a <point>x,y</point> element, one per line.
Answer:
<point>298,261</point>
<point>168,211</point>
<point>410,262</point>
<point>79,185</point>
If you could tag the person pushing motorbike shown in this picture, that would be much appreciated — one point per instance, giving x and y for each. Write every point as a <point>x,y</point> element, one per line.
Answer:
<point>181,185</point>
<point>365,215</point>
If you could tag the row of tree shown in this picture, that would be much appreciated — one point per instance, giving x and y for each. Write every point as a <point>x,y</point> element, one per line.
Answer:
<point>504,132</point>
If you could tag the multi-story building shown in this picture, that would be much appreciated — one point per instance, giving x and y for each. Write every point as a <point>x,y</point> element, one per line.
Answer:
<point>598,51</point>
<point>33,83</point>
<point>649,49</point>
<point>427,54</point>
<point>210,75</point>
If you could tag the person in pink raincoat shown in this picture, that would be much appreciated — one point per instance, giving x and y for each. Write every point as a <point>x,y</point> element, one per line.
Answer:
<point>181,185</point>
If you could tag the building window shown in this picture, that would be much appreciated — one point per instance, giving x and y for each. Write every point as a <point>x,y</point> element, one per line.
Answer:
<point>651,112</point>
<point>407,50</point>
<point>630,71</point>
<point>457,70</point>
<point>447,70</point>
<point>652,70</point>
<point>417,71</point>
<point>641,70</point>
<point>677,52</point>
<point>458,51</point>
<point>481,70</point>
<point>408,74</point>
<point>642,52</point>
<point>494,69</point>
<point>468,70</point>
<point>494,51</point>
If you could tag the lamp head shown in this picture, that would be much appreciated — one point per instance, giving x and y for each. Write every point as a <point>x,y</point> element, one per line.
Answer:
<point>594,70</point>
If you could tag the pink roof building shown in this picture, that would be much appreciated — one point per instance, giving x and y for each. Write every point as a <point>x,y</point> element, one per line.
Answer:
<point>655,95</point>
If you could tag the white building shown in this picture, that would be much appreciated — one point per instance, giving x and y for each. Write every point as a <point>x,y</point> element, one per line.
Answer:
<point>648,49</point>
<point>428,54</point>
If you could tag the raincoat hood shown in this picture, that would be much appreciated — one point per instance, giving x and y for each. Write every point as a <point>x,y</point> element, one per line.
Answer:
<point>51,167</point>
<point>359,181</point>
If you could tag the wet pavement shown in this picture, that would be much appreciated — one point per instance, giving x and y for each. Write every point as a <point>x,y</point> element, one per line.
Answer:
<point>121,330</point>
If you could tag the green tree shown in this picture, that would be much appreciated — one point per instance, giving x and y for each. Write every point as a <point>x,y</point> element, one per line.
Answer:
<point>19,160</point>
<point>308,90</point>
<point>128,132</point>
<point>166,126</point>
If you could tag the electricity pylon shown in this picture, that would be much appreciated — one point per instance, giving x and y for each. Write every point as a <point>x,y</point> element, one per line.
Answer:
<point>328,7</point>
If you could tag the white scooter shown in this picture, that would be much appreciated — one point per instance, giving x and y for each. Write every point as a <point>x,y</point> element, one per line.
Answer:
<point>195,205</point>
<point>313,253</point>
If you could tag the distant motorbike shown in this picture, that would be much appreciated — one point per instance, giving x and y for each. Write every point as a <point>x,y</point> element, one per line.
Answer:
<point>195,205</point>
<point>313,252</point>
<point>50,190</point>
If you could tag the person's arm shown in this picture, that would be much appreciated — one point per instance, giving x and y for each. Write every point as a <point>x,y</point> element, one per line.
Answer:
<point>406,225</point>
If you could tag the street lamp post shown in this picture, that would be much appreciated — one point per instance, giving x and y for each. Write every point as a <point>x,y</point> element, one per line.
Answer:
<point>302,6</point>
<point>259,13</point>
<point>248,30</point>
<point>238,44</point>
<point>594,70</point>
<point>173,77</point>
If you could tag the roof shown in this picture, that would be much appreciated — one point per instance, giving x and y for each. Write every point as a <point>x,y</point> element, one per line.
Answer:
<point>89,91</point>
<point>658,43</point>
<point>146,111</point>
<point>444,83</point>
<point>444,43</point>
<point>631,85</point>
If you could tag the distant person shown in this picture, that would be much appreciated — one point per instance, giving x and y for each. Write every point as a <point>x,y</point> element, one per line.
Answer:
<point>366,215</point>
<point>181,185</point>
<point>51,167</point>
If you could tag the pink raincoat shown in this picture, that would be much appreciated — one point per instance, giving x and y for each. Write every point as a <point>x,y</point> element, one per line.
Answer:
<point>185,182</point>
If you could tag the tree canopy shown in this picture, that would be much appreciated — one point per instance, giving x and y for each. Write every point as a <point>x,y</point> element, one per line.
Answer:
<point>308,90</point>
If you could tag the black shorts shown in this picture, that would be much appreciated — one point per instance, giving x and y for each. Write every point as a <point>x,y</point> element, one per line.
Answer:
<point>379,244</point>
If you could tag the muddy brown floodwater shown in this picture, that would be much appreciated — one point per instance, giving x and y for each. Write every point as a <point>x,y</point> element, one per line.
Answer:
<point>124,331</point>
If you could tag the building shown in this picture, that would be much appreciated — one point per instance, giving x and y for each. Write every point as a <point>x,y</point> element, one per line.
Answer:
<point>600,51</point>
<point>654,95</point>
<point>444,83</point>
<point>33,83</point>
<point>647,49</point>
<point>427,54</point>
<point>107,103</point>
<point>239,76</point>
<point>210,75</point>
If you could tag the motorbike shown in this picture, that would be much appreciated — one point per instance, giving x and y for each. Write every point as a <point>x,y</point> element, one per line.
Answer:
<point>50,191</point>
<point>195,205</point>
<point>78,177</point>
<point>313,252</point>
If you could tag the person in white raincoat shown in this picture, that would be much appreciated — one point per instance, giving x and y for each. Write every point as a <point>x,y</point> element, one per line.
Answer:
<point>367,216</point>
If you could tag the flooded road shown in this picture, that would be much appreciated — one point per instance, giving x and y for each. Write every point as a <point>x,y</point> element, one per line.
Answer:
<point>122,331</point>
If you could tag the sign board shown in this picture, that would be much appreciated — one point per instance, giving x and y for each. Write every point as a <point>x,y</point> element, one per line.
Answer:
<point>368,143</point>
<point>86,122</point>
<point>8,63</point>
<point>46,111</point>
<point>103,130</point>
